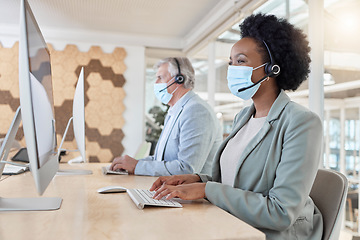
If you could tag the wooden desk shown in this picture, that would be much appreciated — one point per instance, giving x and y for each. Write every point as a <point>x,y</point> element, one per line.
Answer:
<point>85,214</point>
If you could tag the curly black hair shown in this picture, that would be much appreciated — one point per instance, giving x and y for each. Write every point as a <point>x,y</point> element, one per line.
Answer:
<point>288,45</point>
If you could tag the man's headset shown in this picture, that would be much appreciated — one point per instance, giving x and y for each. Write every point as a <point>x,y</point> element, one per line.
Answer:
<point>271,70</point>
<point>179,78</point>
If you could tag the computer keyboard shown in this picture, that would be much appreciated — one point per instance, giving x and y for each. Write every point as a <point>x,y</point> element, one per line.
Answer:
<point>106,170</point>
<point>142,198</point>
<point>11,169</point>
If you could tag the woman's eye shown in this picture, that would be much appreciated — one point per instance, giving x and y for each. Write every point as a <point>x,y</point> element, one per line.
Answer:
<point>240,61</point>
<point>230,63</point>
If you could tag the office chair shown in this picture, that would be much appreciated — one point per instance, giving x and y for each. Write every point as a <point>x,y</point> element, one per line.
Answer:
<point>143,150</point>
<point>329,195</point>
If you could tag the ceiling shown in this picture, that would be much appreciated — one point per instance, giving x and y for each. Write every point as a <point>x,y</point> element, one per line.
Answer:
<point>169,24</point>
<point>143,18</point>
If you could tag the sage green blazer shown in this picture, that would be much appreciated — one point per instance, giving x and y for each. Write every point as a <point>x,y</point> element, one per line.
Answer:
<point>275,173</point>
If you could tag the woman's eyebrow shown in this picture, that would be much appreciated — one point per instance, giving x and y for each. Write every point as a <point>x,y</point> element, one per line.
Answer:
<point>240,54</point>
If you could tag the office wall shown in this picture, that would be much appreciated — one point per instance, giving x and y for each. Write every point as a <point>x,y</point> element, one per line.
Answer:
<point>107,121</point>
<point>9,88</point>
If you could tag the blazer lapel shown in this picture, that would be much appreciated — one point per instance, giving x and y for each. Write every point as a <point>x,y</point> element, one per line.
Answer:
<point>159,146</point>
<point>252,144</point>
<point>281,101</point>
<point>274,114</point>
<point>242,121</point>
<point>216,173</point>
<point>172,120</point>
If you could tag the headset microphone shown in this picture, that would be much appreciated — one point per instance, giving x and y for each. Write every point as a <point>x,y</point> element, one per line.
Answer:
<point>167,87</point>
<point>261,80</point>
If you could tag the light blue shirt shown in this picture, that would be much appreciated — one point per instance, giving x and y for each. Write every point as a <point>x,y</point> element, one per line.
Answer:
<point>188,142</point>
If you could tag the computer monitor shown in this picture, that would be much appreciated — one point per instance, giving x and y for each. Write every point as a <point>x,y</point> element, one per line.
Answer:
<point>78,120</point>
<point>37,114</point>
<point>79,116</point>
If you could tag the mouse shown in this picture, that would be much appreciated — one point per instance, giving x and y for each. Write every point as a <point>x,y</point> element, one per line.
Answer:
<point>111,189</point>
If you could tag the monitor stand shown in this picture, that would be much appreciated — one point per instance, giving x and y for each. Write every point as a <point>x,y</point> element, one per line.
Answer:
<point>22,204</point>
<point>71,171</point>
<point>78,159</point>
<point>30,204</point>
<point>74,172</point>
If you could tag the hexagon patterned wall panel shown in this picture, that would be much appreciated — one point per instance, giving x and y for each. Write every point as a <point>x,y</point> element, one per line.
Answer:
<point>104,94</point>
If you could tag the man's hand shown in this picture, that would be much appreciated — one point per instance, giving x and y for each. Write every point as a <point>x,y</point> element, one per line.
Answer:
<point>174,180</point>
<point>124,162</point>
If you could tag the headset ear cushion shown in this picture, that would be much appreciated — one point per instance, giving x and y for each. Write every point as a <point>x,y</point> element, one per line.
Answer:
<point>272,70</point>
<point>268,67</point>
<point>179,79</point>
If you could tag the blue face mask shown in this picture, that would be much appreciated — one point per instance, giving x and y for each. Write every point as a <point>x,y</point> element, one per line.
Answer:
<point>240,77</point>
<point>161,93</point>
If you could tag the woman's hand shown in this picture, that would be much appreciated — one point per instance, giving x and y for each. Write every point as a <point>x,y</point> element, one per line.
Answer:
<point>174,180</point>
<point>185,191</point>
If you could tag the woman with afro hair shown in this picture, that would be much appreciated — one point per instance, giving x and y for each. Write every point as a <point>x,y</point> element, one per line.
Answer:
<point>264,170</point>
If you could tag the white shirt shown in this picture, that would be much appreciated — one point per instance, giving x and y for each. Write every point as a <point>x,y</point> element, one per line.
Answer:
<point>235,147</point>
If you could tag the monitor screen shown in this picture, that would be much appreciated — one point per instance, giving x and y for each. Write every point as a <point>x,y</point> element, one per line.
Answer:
<point>41,89</point>
<point>39,56</point>
<point>36,100</point>
<point>79,115</point>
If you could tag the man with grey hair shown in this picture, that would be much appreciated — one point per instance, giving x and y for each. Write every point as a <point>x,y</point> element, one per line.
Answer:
<point>191,133</point>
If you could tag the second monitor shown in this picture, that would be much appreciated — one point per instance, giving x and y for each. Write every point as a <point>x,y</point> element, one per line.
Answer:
<point>78,120</point>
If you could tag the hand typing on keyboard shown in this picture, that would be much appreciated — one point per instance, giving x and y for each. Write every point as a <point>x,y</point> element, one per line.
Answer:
<point>145,197</point>
<point>124,163</point>
<point>175,180</point>
<point>187,187</point>
<point>190,191</point>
